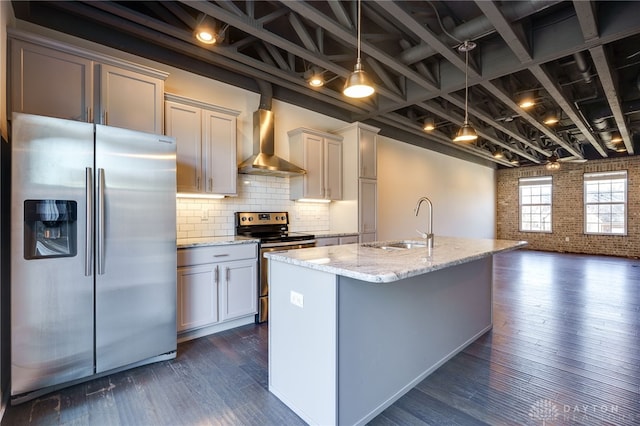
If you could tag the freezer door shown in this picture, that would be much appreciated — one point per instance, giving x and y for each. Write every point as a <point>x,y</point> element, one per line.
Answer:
<point>51,256</point>
<point>135,246</point>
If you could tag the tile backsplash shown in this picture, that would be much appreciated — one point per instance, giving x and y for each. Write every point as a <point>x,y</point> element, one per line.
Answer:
<point>198,217</point>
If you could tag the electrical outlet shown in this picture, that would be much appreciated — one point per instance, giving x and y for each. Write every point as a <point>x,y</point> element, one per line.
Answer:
<point>297,299</point>
<point>204,216</point>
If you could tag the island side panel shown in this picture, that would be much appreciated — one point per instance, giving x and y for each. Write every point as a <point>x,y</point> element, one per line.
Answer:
<point>391,336</point>
<point>302,341</point>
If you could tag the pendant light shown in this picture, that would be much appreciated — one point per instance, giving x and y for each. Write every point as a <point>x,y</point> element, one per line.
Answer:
<point>358,84</point>
<point>553,163</point>
<point>466,133</point>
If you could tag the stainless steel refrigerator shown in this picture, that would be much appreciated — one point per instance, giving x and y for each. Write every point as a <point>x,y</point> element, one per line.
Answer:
<point>93,251</point>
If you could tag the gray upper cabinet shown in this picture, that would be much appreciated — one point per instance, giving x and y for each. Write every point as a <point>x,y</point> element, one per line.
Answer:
<point>360,182</point>
<point>182,121</point>
<point>131,100</point>
<point>320,154</point>
<point>206,145</point>
<point>50,82</point>
<point>368,155</point>
<point>59,80</point>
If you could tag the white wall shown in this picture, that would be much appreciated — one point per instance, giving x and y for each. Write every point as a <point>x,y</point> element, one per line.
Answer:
<point>462,193</point>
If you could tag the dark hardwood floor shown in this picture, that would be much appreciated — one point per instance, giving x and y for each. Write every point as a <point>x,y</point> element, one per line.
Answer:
<point>565,349</point>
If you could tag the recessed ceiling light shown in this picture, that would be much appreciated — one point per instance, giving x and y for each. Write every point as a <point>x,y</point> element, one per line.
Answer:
<point>526,100</point>
<point>551,119</point>
<point>429,124</point>
<point>616,138</point>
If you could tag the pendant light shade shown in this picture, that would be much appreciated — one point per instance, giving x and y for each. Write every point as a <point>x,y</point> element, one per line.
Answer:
<point>358,84</point>
<point>553,163</point>
<point>466,133</point>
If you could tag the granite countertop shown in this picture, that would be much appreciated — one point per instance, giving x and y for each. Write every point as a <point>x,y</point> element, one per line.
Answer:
<point>328,234</point>
<point>214,241</point>
<point>366,263</point>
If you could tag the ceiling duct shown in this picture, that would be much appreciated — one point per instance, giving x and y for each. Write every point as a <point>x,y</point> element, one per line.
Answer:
<point>477,28</point>
<point>583,66</point>
<point>602,124</point>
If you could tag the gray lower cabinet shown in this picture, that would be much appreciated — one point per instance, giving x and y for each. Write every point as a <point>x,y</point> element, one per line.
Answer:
<point>334,241</point>
<point>327,241</point>
<point>348,239</point>
<point>217,286</point>
<point>197,296</point>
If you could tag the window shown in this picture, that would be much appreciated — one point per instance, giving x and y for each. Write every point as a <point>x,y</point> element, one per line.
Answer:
<point>605,203</point>
<point>535,204</point>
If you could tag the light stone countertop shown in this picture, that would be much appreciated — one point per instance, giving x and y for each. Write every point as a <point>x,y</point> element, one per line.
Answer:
<point>214,241</point>
<point>327,234</point>
<point>383,266</point>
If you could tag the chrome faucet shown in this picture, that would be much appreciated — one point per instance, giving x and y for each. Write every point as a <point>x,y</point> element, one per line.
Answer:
<point>428,235</point>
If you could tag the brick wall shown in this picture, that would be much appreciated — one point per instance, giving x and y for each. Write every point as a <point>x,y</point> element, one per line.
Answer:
<point>568,209</point>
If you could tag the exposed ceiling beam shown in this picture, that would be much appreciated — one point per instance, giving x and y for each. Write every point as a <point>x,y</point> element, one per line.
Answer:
<point>303,8</point>
<point>477,112</point>
<point>422,32</point>
<point>609,85</point>
<point>515,40</point>
<point>587,18</point>
<point>505,98</point>
<point>551,86</point>
<point>480,131</point>
<point>416,67</point>
<point>440,138</point>
<point>302,33</point>
<point>178,40</point>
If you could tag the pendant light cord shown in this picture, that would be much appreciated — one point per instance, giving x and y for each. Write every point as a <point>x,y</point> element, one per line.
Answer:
<point>466,84</point>
<point>358,29</point>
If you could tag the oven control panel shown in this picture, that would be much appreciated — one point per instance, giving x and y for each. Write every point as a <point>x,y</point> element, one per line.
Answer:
<point>261,218</point>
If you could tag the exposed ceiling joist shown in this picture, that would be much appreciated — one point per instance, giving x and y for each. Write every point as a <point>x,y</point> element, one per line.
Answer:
<point>610,87</point>
<point>410,50</point>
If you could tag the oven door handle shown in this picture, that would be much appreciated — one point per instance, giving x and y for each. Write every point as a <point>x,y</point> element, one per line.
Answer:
<point>307,243</point>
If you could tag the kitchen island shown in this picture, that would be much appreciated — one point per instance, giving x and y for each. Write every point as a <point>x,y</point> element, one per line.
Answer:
<point>354,327</point>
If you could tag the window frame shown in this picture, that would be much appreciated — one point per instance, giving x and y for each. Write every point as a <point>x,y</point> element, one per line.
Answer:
<point>606,177</point>
<point>540,181</point>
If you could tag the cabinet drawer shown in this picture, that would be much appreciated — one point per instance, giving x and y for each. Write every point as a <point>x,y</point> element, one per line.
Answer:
<point>351,239</point>
<point>327,241</point>
<point>223,253</point>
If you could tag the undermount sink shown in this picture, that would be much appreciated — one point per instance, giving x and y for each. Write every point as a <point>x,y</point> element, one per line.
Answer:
<point>396,245</point>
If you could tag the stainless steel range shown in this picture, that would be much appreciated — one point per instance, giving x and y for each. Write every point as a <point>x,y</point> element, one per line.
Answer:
<point>272,229</point>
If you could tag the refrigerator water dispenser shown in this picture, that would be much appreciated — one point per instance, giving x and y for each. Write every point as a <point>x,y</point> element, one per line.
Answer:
<point>50,229</point>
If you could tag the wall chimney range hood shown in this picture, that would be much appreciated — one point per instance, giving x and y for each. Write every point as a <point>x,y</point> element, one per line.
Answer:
<point>264,161</point>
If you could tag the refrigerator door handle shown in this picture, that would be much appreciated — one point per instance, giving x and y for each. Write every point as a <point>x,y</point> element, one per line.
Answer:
<point>100,225</point>
<point>88,241</point>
